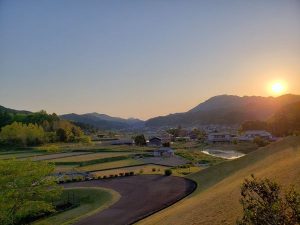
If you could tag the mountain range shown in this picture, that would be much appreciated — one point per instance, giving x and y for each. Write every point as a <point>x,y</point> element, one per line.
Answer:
<point>103,121</point>
<point>221,109</point>
<point>226,109</point>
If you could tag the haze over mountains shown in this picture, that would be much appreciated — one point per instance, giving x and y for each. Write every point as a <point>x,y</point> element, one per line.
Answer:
<point>222,109</point>
<point>226,109</point>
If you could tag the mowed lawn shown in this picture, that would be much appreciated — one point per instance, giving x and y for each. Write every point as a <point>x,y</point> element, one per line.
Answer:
<point>87,157</point>
<point>216,200</point>
<point>109,165</point>
<point>92,200</point>
<point>143,169</point>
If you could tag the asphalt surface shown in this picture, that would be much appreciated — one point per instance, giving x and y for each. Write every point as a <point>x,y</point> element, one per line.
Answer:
<point>141,196</point>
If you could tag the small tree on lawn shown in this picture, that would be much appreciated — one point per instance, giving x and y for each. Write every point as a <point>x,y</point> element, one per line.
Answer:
<point>264,204</point>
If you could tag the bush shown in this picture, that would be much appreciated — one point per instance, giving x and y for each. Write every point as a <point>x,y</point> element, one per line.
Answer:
<point>168,172</point>
<point>260,141</point>
<point>131,173</point>
<point>264,203</point>
<point>153,169</point>
<point>121,174</point>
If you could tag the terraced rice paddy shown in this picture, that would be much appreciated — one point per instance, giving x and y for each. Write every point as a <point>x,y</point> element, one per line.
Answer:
<point>57,155</point>
<point>20,155</point>
<point>142,169</point>
<point>87,157</point>
<point>109,165</point>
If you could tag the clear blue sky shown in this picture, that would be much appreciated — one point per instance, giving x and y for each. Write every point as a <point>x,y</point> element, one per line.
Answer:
<point>144,58</point>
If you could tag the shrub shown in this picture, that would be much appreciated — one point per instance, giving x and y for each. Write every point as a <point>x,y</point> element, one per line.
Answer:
<point>121,174</point>
<point>141,171</point>
<point>260,142</point>
<point>264,203</point>
<point>153,169</point>
<point>126,174</point>
<point>131,173</point>
<point>168,172</point>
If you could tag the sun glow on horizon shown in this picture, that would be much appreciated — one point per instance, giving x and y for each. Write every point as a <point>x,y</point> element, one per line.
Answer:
<point>278,88</point>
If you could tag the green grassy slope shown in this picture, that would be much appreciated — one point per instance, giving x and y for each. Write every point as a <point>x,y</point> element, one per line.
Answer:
<point>216,200</point>
<point>91,200</point>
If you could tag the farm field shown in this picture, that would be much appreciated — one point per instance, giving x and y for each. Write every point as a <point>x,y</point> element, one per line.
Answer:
<point>219,186</point>
<point>20,155</point>
<point>142,169</point>
<point>57,155</point>
<point>87,157</point>
<point>109,165</point>
<point>92,200</point>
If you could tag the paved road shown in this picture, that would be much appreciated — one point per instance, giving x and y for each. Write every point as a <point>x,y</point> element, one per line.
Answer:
<point>140,196</point>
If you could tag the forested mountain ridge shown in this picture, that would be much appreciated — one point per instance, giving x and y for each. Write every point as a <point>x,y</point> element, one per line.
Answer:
<point>226,109</point>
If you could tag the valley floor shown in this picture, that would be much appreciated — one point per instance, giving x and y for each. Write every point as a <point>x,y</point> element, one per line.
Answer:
<point>216,200</point>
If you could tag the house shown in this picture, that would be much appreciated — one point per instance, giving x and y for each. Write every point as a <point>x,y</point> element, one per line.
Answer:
<point>219,137</point>
<point>164,151</point>
<point>251,134</point>
<point>155,141</point>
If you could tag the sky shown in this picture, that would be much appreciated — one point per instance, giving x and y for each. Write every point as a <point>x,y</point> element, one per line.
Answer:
<point>143,58</point>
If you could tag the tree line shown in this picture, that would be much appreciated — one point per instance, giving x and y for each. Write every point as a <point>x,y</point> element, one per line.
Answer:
<point>284,122</point>
<point>37,128</point>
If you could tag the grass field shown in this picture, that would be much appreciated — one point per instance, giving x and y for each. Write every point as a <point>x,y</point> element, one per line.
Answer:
<point>91,200</point>
<point>57,155</point>
<point>143,169</point>
<point>20,155</point>
<point>109,165</point>
<point>216,200</point>
<point>243,147</point>
<point>87,157</point>
<point>198,156</point>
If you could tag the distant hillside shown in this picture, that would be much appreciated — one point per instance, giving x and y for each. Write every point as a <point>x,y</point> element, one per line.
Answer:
<point>4,109</point>
<point>216,200</point>
<point>105,122</point>
<point>226,109</point>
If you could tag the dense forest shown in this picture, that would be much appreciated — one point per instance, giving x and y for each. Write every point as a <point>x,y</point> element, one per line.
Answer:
<point>285,121</point>
<point>27,129</point>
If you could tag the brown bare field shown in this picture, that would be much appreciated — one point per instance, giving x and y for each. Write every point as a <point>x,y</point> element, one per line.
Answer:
<point>109,165</point>
<point>143,169</point>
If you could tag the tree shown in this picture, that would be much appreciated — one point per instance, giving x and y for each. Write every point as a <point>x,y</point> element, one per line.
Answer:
<point>26,190</point>
<point>140,140</point>
<point>264,204</point>
<point>22,134</point>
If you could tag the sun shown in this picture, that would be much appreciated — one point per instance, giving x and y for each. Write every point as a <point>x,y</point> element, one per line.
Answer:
<point>278,88</point>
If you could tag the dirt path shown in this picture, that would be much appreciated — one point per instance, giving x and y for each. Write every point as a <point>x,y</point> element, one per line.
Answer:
<point>140,197</point>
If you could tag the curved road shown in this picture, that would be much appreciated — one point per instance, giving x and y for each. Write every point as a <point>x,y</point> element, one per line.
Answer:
<point>140,197</point>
